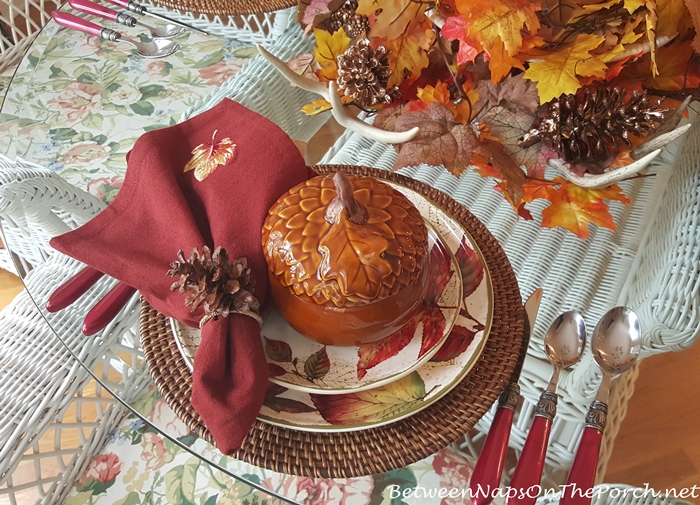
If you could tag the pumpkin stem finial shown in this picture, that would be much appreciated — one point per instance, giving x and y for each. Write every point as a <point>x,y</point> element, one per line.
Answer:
<point>357,213</point>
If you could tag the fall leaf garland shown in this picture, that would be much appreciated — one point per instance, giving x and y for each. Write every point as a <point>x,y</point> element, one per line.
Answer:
<point>476,75</point>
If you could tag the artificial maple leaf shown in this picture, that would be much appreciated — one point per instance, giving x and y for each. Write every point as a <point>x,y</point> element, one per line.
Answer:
<point>440,140</point>
<point>514,93</point>
<point>671,14</point>
<point>504,19</point>
<point>694,10</point>
<point>370,406</point>
<point>573,208</point>
<point>370,355</point>
<point>313,9</point>
<point>208,156</point>
<point>328,47</point>
<point>352,256</point>
<point>500,62</point>
<point>470,267</point>
<point>508,126</point>
<point>440,93</point>
<point>455,28</point>
<point>316,107</point>
<point>456,343</point>
<point>304,65</point>
<point>652,19</point>
<point>557,73</point>
<point>633,5</point>
<point>511,173</point>
<point>407,52</point>
<point>391,17</point>
<point>674,73</point>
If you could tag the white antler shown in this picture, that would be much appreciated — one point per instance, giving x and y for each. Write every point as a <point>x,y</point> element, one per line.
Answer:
<point>330,94</point>
<point>602,180</point>
<point>590,181</point>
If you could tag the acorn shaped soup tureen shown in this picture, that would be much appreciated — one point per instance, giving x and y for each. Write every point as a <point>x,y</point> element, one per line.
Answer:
<point>347,258</point>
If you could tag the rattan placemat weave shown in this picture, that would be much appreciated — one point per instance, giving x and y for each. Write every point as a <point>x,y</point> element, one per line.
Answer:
<point>383,448</point>
<point>226,7</point>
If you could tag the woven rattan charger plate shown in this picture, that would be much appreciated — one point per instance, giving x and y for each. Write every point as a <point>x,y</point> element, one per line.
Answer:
<point>384,448</point>
<point>227,7</point>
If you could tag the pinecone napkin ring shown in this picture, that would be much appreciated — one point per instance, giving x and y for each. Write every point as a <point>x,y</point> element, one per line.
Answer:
<point>222,288</point>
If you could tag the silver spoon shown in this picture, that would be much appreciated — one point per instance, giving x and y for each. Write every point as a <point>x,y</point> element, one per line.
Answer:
<point>564,345</point>
<point>159,32</point>
<point>157,48</point>
<point>616,343</point>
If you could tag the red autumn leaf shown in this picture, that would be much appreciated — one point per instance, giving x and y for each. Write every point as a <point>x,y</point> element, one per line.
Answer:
<point>275,370</point>
<point>433,328</point>
<point>470,267</point>
<point>440,273</point>
<point>277,350</point>
<point>455,28</point>
<point>457,342</point>
<point>376,352</point>
<point>274,390</point>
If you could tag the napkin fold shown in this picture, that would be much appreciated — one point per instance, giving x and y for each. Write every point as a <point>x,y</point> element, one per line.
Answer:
<point>161,209</point>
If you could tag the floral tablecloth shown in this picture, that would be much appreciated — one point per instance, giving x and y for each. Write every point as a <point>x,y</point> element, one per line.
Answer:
<point>77,104</point>
<point>139,466</point>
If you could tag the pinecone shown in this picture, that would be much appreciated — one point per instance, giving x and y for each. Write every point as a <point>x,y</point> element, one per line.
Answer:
<point>589,125</point>
<point>346,17</point>
<point>210,279</point>
<point>363,74</point>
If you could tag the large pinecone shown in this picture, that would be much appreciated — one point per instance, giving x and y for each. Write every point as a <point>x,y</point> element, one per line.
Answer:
<point>346,17</point>
<point>589,125</point>
<point>210,280</point>
<point>363,74</point>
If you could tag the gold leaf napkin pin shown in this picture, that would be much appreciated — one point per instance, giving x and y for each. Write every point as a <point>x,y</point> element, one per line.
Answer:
<point>208,156</point>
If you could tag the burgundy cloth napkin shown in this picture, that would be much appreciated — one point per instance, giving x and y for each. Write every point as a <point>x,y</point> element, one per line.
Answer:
<point>161,209</point>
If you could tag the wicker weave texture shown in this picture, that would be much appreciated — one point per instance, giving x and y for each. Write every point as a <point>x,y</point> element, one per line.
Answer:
<point>379,449</point>
<point>226,7</point>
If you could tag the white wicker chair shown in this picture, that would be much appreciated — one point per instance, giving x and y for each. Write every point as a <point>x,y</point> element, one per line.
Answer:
<point>651,263</point>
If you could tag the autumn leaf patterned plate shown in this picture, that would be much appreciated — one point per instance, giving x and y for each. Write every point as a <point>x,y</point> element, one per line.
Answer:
<point>400,398</point>
<point>296,362</point>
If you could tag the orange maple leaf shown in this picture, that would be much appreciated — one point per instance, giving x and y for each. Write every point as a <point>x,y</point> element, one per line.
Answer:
<point>391,18</point>
<point>500,62</point>
<point>208,156</point>
<point>573,207</point>
<point>408,52</point>
<point>489,19</point>
<point>441,94</point>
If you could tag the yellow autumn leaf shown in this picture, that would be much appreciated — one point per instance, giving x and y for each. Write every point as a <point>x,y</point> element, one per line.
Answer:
<point>504,19</point>
<point>670,13</point>
<point>463,110</point>
<point>408,56</point>
<point>694,9</point>
<point>651,21</point>
<point>328,47</point>
<point>633,5</point>
<point>629,37</point>
<point>316,107</point>
<point>557,73</point>
<point>393,16</point>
